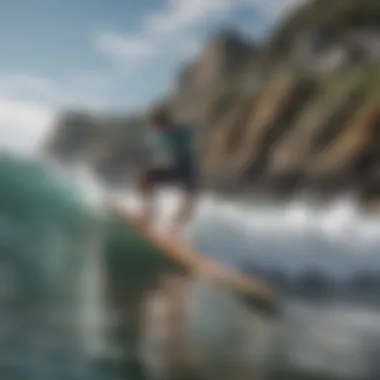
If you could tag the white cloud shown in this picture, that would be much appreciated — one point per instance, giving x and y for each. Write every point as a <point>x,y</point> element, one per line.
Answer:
<point>161,29</point>
<point>24,119</point>
<point>23,125</point>
<point>123,47</point>
<point>29,103</point>
<point>25,85</point>
<point>180,14</point>
<point>173,24</point>
<point>82,88</point>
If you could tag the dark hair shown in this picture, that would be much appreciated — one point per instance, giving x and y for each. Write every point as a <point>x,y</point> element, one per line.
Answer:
<point>160,115</point>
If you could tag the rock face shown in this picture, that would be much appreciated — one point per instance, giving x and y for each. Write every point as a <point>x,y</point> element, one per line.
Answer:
<point>278,124</point>
<point>74,132</point>
<point>223,56</point>
<point>320,24</point>
<point>110,144</point>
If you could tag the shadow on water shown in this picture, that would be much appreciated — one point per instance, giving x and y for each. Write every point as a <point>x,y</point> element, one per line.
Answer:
<point>53,312</point>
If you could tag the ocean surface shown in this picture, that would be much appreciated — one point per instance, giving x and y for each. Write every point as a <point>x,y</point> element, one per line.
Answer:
<point>44,260</point>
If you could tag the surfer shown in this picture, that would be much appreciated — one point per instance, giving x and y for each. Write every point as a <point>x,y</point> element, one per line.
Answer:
<point>172,162</point>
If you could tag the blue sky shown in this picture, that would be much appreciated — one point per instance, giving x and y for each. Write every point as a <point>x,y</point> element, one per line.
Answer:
<point>104,54</point>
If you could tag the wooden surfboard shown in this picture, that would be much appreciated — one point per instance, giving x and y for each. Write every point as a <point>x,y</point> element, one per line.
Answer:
<point>253,291</point>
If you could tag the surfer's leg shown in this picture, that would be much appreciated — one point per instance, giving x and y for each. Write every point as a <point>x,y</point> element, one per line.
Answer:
<point>185,212</point>
<point>149,181</point>
<point>146,189</point>
<point>187,207</point>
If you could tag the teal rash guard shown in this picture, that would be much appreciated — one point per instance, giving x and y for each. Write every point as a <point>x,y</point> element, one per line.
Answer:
<point>177,142</point>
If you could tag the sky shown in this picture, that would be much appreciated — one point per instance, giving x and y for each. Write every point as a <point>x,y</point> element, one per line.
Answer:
<point>104,54</point>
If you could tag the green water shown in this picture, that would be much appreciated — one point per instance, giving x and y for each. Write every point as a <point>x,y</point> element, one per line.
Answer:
<point>43,205</point>
<point>48,233</point>
<point>43,224</point>
<point>133,262</point>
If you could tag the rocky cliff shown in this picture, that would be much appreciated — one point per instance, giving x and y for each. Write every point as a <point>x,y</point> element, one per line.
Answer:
<point>303,110</point>
<point>110,144</point>
<point>320,22</point>
<point>225,55</point>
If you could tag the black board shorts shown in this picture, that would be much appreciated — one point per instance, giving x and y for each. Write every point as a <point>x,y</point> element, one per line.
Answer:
<point>184,177</point>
